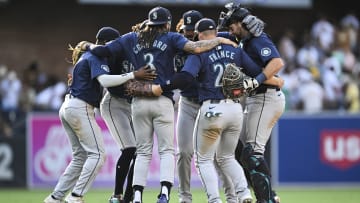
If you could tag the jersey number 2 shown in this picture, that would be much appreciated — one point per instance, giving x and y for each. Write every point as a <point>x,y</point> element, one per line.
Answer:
<point>219,69</point>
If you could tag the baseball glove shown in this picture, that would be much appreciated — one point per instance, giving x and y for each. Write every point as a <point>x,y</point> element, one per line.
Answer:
<point>77,51</point>
<point>233,81</point>
<point>139,88</point>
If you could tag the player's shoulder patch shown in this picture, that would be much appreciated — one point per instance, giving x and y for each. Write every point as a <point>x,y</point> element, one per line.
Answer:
<point>105,68</point>
<point>266,51</point>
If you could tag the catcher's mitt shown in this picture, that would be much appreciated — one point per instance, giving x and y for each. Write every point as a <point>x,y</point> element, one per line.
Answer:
<point>139,88</point>
<point>77,51</point>
<point>233,82</point>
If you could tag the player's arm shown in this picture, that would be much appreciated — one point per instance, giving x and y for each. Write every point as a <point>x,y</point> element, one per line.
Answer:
<point>180,80</point>
<point>270,71</point>
<point>227,35</point>
<point>205,45</point>
<point>273,67</point>
<point>251,69</point>
<point>144,73</point>
<point>104,50</point>
<point>99,50</point>
<point>183,79</point>
<point>275,81</point>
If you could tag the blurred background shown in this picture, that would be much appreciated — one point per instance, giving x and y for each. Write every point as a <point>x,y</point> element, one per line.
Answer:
<point>316,142</point>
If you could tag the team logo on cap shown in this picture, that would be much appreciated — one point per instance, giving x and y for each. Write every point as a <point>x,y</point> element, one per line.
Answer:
<point>265,51</point>
<point>188,20</point>
<point>154,15</point>
<point>105,68</point>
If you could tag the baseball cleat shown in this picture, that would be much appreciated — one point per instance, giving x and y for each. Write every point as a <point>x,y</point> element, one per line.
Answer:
<point>50,199</point>
<point>245,196</point>
<point>116,199</point>
<point>73,199</point>
<point>162,199</point>
<point>277,199</point>
<point>247,200</point>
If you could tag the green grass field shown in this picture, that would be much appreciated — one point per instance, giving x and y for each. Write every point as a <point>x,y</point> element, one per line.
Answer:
<point>291,195</point>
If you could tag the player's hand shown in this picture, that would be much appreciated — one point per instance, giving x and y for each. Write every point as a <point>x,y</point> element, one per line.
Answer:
<point>85,45</point>
<point>156,90</point>
<point>254,25</point>
<point>145,73</point>
<point>250,84</point>
<point>70,79</point>
<point>280,82</point>
<point>227,41</point>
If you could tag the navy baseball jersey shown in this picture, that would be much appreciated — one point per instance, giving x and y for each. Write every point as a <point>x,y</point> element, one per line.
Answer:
<point>125,47</point>
<point>209,67</point>
<point>119,66</point>
<point>192,90</point>
<point>262,44</point>
<point>160,55</point>
<point>84,85</point>
<point>228,36</point>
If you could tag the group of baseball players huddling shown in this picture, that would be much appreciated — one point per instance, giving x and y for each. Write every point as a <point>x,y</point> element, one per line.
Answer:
<point>210,125</point>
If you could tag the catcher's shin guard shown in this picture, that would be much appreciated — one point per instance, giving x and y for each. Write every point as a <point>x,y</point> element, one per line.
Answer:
<point>256,165</point>
<point>262,187</point>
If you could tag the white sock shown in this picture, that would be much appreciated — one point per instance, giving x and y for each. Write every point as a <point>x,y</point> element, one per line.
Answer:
<point>137,196</point>
<point>165,191</point>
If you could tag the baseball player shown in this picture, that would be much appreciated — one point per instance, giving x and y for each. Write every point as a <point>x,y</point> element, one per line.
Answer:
<point>157,46</point>
<point>187,111</point>
<point>219,120</point>
<point>78,119</point>
<point>263,107</point>
<point>115,109</point>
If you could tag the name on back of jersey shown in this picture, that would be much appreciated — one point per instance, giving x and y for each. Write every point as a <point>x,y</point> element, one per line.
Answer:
<point>217,55</point>
<point>156,44</point>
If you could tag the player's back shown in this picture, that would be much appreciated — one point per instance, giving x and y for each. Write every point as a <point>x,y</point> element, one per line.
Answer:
<point>160,55</point>
<point>84,84</point>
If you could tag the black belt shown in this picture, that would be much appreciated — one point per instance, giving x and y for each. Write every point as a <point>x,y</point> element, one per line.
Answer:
<point>263,89</point>
<point>192,99</point>
<point>217,101</point>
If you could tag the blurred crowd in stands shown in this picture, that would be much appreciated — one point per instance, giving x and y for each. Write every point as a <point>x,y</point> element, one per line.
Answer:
<point>322,74</point>
<point>28,91</point>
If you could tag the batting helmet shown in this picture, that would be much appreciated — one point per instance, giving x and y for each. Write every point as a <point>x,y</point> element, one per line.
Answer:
<point>190,18</point>
<point>159,16</point>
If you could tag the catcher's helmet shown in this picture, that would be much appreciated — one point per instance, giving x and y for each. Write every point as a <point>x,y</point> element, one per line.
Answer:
<point>190,18</point>
<point>159,16</point>
<point>235,14</point>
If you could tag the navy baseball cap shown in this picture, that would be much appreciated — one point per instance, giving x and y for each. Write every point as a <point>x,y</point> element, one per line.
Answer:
<point>190,18</point>
<point>158,16</point>
<point>107,34</point>
<point>205,24</point>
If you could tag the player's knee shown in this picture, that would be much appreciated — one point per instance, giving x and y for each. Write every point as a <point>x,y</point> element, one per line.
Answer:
<point>185,155</point>
<point>129,153</point>
<point>101,158</point>
<point>223,160</point>
<point>249,159</point>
